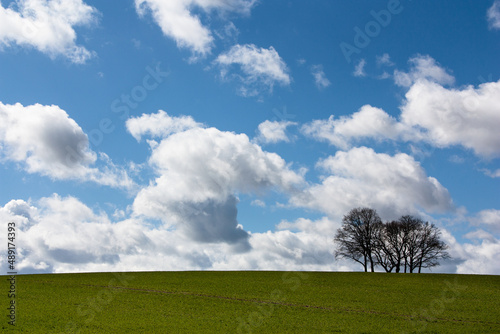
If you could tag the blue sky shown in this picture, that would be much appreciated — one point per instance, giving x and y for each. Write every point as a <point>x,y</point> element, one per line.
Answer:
<point>235,134</point>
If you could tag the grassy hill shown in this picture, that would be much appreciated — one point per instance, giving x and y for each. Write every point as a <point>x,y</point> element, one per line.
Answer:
<point>253,302</point>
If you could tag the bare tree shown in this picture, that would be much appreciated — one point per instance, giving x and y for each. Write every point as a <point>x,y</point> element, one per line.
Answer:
<point>357,238</point>
<point>408,243</point>
<point>389,250</point>
<point>431,249</point>
<point>422,247</point>
<point>409,229</point>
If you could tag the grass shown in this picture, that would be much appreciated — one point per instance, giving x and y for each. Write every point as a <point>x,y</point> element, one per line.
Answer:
<point>253,302</point>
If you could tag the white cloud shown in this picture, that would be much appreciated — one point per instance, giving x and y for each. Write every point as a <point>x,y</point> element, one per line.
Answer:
<point>199,172</point>
<point>45,140</point>
<point>177,21</point>
<point>384,60</point>
<point>488,219</point>
<point>456,159</point>
<point>359,69</point>
<point>285,250</point>
<point>61,234</point>
<point>320,78</point>
<point>481,257</point>
<point>431,113</point>
<point>273,131</point>
<point>159,125</point>
<point>478,256</point>
<point>480,235</point>
<point>494,15</point>
<point>468,117</point>
<point>493,174</point>
<point>384,76</point>
<point>423,67</point>
<point>323,226</point>
<point>368,122</point>
<point>64,235</point>
<point>258,202</point>
<point>48,26</point>
<point>64,231</point>
<point>259,66</point>
<point>393,185</point>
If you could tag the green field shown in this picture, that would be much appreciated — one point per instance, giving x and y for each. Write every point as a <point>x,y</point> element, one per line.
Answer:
<point>253,302</point>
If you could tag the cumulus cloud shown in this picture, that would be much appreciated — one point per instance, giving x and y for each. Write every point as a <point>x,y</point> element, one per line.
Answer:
<point>177,21</point>
<point>468,117</point>
<point>286,250</point>
<point>493,15</point>
<point>273,131</point>
<point>393,185</point>
<point>483,258</point>
<point>368,122</point>
<point>63,231</point>
<point>320,78</point>
<point>259,67</point>
<point>423,67</point>
<point>359,69</point>
<point>159,125</point>
<point>45,140</point>
<point>48,26</point>
<point>481,255</point>
<point>200,170</point>
<point>487,219</point>
<point>61,234</point>
<point>323,226</point>
<point>439,116</point>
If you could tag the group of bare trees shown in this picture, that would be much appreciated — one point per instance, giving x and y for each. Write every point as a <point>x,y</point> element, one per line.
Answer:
<point>407,244</point>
